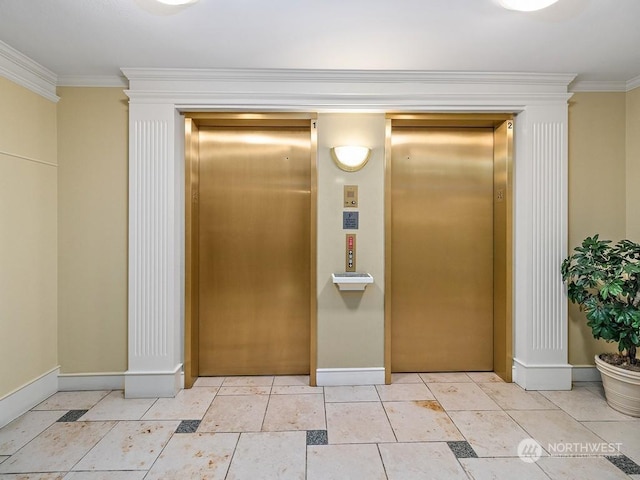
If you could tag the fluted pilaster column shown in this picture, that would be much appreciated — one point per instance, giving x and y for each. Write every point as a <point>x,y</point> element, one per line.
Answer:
<point>540,177</point>
<point>155,250</point>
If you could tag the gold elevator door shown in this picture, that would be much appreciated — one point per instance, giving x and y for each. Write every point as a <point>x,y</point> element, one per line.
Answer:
<point>254,247</point>
<point>441,249</point>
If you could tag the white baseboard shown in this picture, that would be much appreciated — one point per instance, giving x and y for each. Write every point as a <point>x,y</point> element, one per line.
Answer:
<point>91,381</point>
<point>28,396</point>
<point>542,377</point>
<point>326,377</point>
<point>153,384</point>
<point>585,373</point>
<point>579,373</point>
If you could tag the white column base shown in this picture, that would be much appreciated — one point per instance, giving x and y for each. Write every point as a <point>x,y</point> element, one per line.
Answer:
<point>329,377</point>
<point>542,377</point>
<point>28,396</point>
<point>153,384</point>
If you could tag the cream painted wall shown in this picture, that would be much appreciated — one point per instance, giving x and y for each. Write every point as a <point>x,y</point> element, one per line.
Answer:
<point>350,324</point>
<point>92,196</point>
<point>597,200</point>
<point>93,183</point>
<point>28,238</point>
<point>633,165</point>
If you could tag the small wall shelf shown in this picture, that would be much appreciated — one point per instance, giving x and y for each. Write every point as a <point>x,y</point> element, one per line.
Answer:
<point>351,281</point>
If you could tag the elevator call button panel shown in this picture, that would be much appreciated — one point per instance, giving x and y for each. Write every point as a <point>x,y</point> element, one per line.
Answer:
<point>350,253</point>
<point>350,196</point>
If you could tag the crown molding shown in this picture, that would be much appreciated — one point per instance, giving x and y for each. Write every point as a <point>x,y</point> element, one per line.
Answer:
<point>339,102</point>
<point>328,90</point>
<point>598,86</point>
<point>604,86</point>
<point>92,81</point>
<point>20,69</point>
<point>633,83</point>
<point>345,76</point>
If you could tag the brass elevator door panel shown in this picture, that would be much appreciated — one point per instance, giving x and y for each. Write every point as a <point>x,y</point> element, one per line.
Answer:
<point>255,194</point>
<point>441,249</point>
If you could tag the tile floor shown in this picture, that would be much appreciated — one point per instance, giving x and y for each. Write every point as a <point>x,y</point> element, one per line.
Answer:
<point>423,426</point>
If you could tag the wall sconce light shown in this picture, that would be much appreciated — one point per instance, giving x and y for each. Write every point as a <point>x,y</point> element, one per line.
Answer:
<point>350,158</point>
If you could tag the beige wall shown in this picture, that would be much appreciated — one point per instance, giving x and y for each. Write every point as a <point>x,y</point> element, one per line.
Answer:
<point>28,239</point>
<point>92,196</point>
<point>597,200</point>
<point>350,324</point>
<point>633,165</point>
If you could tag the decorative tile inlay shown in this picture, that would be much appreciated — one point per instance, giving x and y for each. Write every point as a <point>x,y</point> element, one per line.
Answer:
<point>72,415</point>
<point>317,437</point>
<point>625,464</point>
<point>462,449</point>
<point>188,426</point>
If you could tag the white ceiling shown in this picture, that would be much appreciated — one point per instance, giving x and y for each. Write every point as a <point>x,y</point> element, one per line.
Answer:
<point>599,40</point>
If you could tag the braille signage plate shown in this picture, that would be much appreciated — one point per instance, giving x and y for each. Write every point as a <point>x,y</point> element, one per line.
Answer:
<point>350,220</point>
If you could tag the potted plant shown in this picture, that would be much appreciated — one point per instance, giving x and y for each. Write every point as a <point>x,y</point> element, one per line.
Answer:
<point>604,280</point>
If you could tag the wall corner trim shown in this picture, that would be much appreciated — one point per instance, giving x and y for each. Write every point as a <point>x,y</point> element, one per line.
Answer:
<point>28,396</point>
<point>328,377</point>
<point>20,69</point>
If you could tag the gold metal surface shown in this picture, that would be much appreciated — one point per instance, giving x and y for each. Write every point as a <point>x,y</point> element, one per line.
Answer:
<point>256,243</point>
<point>388,286</point>
<point>247,119</point>
<point>313,254</point>
<point>472,120</point>
<point>502,259</point>
<point>191,286</point>
<point>441,249</point>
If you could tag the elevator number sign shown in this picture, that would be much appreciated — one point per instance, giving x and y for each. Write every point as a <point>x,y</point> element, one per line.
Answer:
<point>350,220</point>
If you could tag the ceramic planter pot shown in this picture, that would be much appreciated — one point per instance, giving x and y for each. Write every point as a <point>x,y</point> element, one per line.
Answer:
<point>621,388</point>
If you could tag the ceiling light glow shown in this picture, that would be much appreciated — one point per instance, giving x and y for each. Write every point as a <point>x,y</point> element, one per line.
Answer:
<point>176,2</point>
<point>526,5</point>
